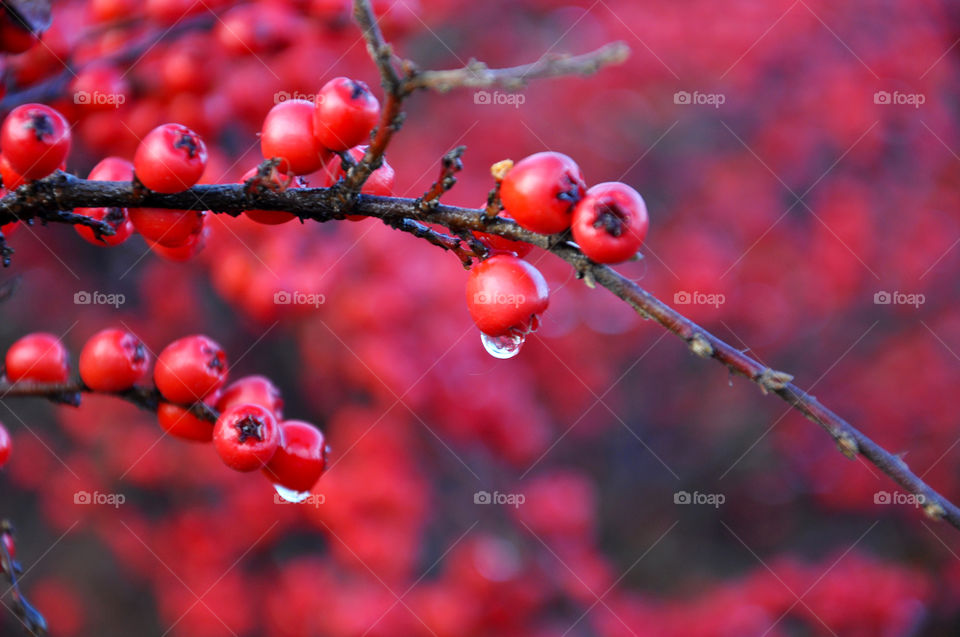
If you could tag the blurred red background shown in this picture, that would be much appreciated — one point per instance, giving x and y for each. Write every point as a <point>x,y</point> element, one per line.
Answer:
<point>799,161</point>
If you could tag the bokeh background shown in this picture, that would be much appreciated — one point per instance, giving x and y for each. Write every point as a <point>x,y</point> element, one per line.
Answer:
<point>799,160</point>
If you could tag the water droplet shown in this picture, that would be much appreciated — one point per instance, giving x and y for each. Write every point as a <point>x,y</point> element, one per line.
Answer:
<point>290,495</point>
<point>506,346</point>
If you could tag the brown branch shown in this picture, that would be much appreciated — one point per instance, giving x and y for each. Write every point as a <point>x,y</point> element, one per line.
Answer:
<point>323,204</point>
<point>450,164</point>
<point>476,74</point>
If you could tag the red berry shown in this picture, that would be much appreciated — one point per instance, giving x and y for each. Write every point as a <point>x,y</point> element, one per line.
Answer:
<point>169,228</point>
<point>180,422</point>
<point>610,222</point>
<point>108,169</point>
<point>113,360</point>
<point>8,542</point>
<point>380,181</point>
<point>171,158</point>
<point>288,134</point>
<point>346,113</point>
<point>185,251</point>
<point>11,178</point>
<point>505,295</point>
<point>189,369</point>
<point>246,437</point>
<point>541,190</point>
<point>38,358</point>
<point>35,140</point>
<point>496,243</point>
<point>256,390</point>
<point>301,457</point>
<point>277,181</point>
<point>5,447</point>
<point>99,86</point>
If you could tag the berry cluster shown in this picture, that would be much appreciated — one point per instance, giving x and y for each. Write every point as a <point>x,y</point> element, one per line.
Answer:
<point>545,193</point>
<point>249,433</point>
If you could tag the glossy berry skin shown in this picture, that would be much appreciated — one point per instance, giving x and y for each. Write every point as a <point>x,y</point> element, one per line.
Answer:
<point>113,360</point>
<point>171,158</point>
<point>35,140</point>
<point>288,133</point>
<point>189,369</point>
<point>506,295</point>
<point>169,228</point>
<point>301,457</point>
<point>108,169</point>
<point>5,448</point>
<point>346,112</point>
<point>610,222</point>
<point>541,190</point>
<point>11,178</point>
<point>279,182</point>
<point>181,423</point>
<point>39,358</point>
<point>256,390</point>
<point>246,437</point>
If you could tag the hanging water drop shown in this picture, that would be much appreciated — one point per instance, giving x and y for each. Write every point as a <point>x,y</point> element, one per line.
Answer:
<point>290,495</point>
<point>506,346</point>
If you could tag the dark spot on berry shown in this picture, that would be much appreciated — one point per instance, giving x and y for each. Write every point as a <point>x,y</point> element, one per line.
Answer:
<point>358,89</point>
<point>41,124</point>
<point>249,427</point>
<point>189,142</point>
<point>611,218</point>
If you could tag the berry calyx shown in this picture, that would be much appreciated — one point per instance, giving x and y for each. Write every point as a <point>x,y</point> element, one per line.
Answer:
<point>506,295</point>
<point>301,457</point>
<point>541,191</point>
<point>5,448</point>
<point>288,134</point>
<point>40,358</point>
<point>346,112</point>
<point>35,140</point>
<point>171,158</point>
<point>246,437</point>
<point>610,222</point>
<point>256,390</point>
<point>113,360</point>
<point>189,369</point>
